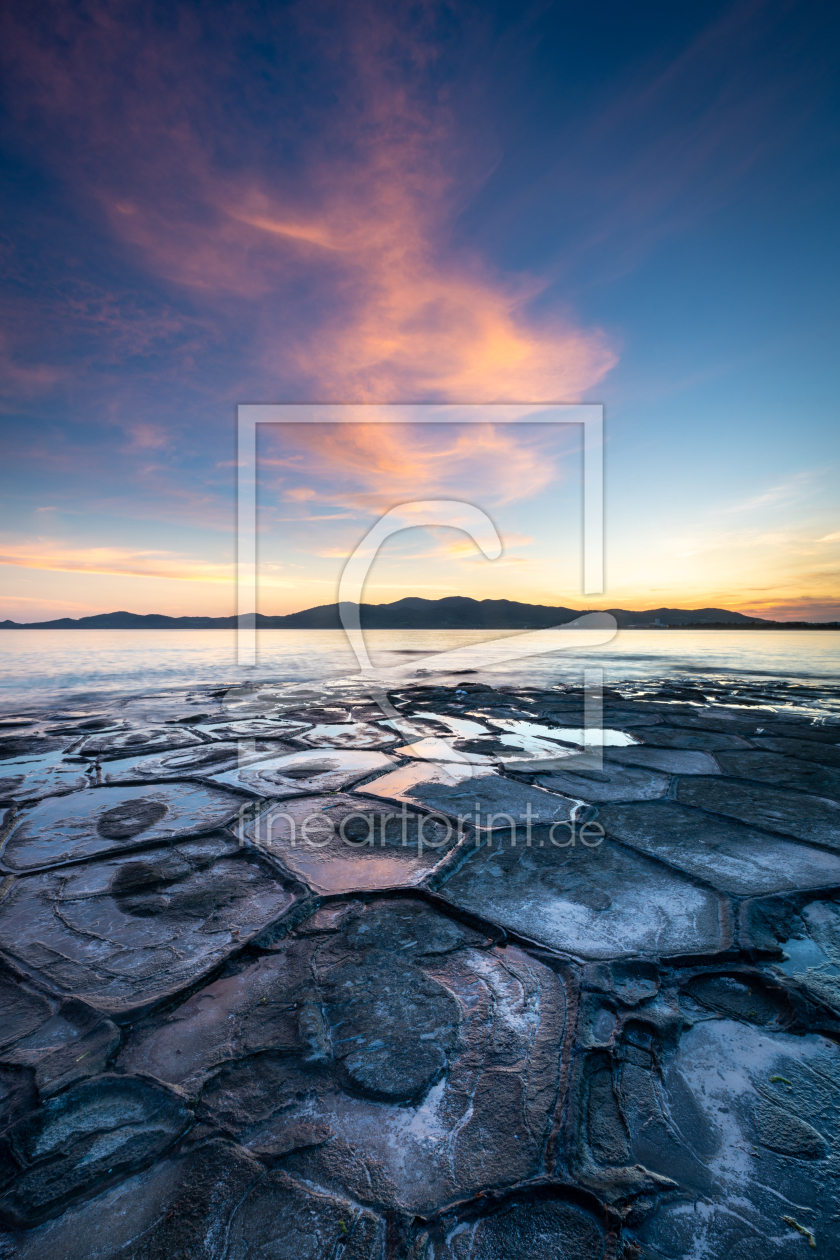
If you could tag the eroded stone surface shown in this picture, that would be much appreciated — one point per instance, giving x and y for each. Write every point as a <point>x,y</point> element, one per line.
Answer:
<point>104,820</point>
<point>94,1132</point>
<point>781,771</point>
<point>123,932</point>
<point>788,813</point>
<point>339,844</point>
<point>475,794</point>
<point>591,898</point>
<point>760,1110</point>
<point>529,1229</point>
<point>375,1069</point>
<point>199,760</point>
<point>590,781</point>
<point>705,741</point>
<point>142,739</point>
<point>29,778</point>
<point>348,735</point>
<point>305,773</point>
<point>669,760</point>
<point>256,728</point>
<point>726,854</point>
<point>213,1201</point>
<point>56,1041</point>
<point>802,749</point>
<point>405,1062</point>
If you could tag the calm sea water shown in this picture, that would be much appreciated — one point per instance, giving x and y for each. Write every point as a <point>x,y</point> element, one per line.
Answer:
<point>39,668</point>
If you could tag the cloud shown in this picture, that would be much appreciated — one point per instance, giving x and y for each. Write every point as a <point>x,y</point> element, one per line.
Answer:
<point>112,562</point>
<point>342,261</point>
<point>372,467</point>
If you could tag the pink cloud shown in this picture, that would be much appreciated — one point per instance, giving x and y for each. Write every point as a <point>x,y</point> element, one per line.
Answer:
<point>393,310</point>
<point>371,467</point>
<point>57,557</point>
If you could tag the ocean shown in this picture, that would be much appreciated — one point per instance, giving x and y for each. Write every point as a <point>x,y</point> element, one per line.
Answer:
<point>42,668</point>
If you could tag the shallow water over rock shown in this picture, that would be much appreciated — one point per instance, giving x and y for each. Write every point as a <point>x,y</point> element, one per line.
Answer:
<point>302,773</point>
<point>95,821</point>
<point>339,844</point>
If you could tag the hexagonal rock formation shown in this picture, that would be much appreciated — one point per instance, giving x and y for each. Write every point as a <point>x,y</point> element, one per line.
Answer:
<point>496,994</point>
<point>302,773</point>
<point>123,933</point>
<point>340,844</point>
<point>403,1059</point>
<point>105,820</point>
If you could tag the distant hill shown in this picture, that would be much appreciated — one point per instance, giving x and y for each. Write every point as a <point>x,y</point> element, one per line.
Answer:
<point>455,612</point>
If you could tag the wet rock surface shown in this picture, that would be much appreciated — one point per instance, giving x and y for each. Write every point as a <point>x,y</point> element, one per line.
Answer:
<point>447,974</point>
<point>90,823</point>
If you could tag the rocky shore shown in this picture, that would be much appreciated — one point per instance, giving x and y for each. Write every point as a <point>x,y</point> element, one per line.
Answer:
<point>450,973</point>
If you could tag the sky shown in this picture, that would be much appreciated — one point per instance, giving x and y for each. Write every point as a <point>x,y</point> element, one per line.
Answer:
<point>206,205</point>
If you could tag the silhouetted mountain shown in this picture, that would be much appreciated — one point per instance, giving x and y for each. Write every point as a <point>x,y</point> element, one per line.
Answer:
<point>454,612</point>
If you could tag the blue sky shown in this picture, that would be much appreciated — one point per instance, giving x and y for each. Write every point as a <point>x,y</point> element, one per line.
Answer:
<point>312,202</point>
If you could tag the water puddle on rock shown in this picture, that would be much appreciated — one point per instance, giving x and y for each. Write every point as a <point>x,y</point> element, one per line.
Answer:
<point>594,735</point>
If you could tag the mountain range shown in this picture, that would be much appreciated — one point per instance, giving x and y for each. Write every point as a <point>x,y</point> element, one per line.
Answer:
<point>454,612</point>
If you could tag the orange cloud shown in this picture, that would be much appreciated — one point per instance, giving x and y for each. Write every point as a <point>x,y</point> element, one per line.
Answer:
<point>374,466</point>
<point>112,562</point>
<point>348,266</point>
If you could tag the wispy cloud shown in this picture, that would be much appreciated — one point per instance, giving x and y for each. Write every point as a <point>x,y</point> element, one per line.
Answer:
<point>393,308</point>
<point>373,466</point>
<point>112,562</point>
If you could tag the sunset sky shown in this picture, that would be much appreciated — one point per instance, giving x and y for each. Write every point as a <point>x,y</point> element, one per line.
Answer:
<point>208,205</point>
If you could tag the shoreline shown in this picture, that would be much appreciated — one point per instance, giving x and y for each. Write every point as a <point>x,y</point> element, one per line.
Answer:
<point>722,625</point>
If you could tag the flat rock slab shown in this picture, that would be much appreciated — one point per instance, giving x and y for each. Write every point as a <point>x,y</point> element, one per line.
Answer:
<point>726,854</point>
<point>321,713</point>
<point>88,726</point>
<point>609,783</point>
<point>590,902</point>
<point>110,819</point>
<point>789,813</point>
<point>255,728</point>
<point>143,739</point>
<point>305,773</point>
<point>60,1041</point>
<point>339,844</point>
<point>433,748</point>
<point>475,795</point>
<point>401,1061</point>
<point>782,771</point>
<point>123,933</point>
<point>505,746</point>
<point>91,1134</point>
<point>821,735</point>
<point>669,760</point>
<point>703,741</point>
<point>212,1201</point>
<point>348,735</point>
<point>33,777</point>
<point>525,1228</point>
<point>28,745</point>
<point>201,760</point>
<point>760,1110</point>
<point>715,720</point>
<point>802,749</point>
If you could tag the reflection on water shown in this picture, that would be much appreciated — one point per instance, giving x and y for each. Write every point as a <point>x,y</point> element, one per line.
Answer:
<point>44,666</point>
<point>566,734</point>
